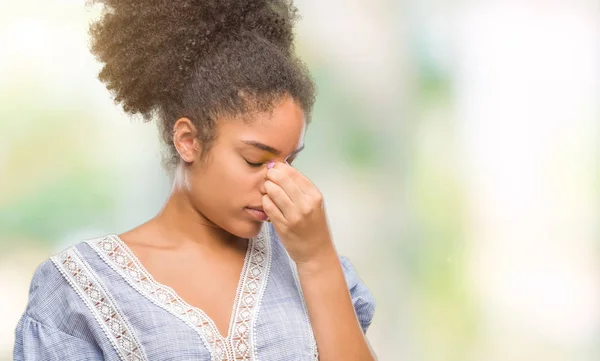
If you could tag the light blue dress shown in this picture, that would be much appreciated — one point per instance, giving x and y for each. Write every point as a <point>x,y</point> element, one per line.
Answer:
<point>95,301</point>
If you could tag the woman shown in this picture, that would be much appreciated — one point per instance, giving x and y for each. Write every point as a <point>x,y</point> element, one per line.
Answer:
<point>207,278</point>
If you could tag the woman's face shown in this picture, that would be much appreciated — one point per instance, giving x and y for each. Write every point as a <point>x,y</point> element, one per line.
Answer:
<point>229,181</point>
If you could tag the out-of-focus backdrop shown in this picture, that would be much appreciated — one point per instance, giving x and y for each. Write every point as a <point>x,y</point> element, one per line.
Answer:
<point>456,144</point>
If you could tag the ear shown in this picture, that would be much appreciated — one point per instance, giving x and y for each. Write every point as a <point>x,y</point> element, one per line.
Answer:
<point>185,139</point>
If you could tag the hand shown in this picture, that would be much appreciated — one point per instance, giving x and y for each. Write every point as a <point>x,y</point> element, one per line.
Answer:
<point>295,206</point>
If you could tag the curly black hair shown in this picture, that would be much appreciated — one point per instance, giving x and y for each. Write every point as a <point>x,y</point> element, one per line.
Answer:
<point>200,59</point>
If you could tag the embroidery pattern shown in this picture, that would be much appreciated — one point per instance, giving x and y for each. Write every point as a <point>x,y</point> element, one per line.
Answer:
<point>95,296</point>
<point>236,345</point>
<point>249,298</point>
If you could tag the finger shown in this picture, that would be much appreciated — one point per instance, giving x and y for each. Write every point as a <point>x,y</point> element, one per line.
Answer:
<point>279,198</point>
<point>271,209</point>
<point>289,186</point>
<point>305,185</point>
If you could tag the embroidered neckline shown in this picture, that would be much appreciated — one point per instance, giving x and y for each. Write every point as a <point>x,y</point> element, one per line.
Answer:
<point>101,304</point>
<point>251,286</point>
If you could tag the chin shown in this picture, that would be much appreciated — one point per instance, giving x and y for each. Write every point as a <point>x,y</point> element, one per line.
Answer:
<point>246,229</point>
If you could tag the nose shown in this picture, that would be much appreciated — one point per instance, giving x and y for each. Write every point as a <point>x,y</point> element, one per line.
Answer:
<point>261,187</point>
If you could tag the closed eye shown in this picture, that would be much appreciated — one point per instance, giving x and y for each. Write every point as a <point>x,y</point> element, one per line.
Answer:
<point>254,165</point>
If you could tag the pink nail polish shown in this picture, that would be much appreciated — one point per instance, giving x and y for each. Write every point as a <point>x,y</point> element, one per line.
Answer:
<point>270,165</point>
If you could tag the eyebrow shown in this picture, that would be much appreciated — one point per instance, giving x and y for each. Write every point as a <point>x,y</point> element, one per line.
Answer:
<point>268,148</point>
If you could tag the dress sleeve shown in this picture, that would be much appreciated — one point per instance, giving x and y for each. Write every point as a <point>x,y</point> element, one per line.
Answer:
<point>362,299</point>
<point>35,341</point>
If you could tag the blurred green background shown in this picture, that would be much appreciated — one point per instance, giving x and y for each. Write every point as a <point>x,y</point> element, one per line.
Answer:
<point>456,144</point>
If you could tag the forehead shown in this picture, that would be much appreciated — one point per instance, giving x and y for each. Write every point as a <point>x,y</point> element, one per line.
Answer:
<point>282,128</point>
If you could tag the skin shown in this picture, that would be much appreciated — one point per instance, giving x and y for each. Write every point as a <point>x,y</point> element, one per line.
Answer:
<point>204,226</point>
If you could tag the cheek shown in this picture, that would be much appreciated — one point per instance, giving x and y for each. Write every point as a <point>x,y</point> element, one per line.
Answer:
<point>238,177</point>
<point>230,179</point>
<point>246,179</point>
<point>246,182</point>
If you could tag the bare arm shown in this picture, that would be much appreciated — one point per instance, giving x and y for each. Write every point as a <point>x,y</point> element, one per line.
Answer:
<point>335,325</point>
<point>296,208</point>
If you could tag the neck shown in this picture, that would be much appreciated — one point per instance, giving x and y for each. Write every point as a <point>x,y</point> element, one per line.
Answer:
<point>182,224</point>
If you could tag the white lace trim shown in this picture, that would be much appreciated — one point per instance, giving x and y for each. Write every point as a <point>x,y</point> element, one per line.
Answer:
<point>97,298</point>
<point>305,309</point>
<point>236,346</point>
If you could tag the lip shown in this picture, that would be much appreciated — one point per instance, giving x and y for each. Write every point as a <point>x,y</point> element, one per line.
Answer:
<point>257,213</point>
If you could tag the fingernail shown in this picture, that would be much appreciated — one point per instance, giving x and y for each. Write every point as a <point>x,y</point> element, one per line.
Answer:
<point>270,165</point>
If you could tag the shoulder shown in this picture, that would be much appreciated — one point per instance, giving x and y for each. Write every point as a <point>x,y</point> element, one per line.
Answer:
<point>55,325</point>
<point>51,291</point>
<point>352,278</point>
<point>362,298</point>
<point>46,284</point>
<point>350,273</point>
